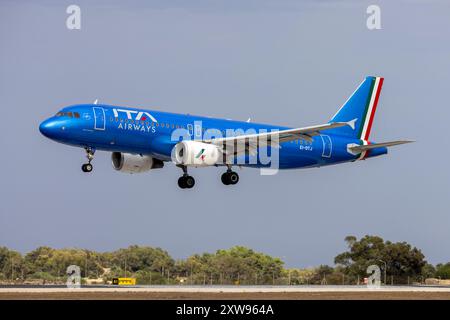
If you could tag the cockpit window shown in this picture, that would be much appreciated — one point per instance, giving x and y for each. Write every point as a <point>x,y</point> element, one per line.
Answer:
<point>68,114</point>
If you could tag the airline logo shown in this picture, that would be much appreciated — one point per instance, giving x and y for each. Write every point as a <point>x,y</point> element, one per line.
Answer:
<point>134,115</point>
<point>201,155</point>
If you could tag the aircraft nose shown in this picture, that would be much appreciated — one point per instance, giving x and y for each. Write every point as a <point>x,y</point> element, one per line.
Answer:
<point>48,128</point>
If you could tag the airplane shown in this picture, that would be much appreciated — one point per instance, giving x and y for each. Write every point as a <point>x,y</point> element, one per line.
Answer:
<point>141,140</point>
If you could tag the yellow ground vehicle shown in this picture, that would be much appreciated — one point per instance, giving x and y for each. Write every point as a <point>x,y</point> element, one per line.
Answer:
<point>124,281</point>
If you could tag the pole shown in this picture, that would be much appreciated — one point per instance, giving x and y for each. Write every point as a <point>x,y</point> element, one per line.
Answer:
<point>125,266</point>
<point>12,267</point>
<point>385,269</point>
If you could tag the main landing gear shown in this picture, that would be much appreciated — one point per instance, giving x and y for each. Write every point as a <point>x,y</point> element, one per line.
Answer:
<point>230,177</point>
<point>185,181</point>
<point>87,167</point>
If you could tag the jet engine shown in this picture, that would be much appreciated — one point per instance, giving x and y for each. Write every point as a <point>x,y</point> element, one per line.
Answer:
<point>134,163</point>
<point>196,154</point>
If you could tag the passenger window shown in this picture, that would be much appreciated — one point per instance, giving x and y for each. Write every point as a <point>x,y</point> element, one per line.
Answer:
<point>157,124</point>
<point>69,114</point>
<point>76,115</point>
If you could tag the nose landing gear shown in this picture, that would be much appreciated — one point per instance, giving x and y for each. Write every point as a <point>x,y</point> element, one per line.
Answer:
<point>87,167</point>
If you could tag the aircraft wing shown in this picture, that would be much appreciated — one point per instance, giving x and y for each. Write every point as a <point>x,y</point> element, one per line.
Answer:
<point>251,142</point>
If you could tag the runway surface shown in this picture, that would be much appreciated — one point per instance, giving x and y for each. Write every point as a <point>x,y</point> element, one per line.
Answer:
<point>226,292</point>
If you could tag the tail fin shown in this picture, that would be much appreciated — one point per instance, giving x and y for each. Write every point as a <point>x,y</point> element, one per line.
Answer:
<point>359,109</point>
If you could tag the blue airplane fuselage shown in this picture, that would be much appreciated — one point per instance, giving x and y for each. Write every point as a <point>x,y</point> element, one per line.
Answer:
<point>149,132</point>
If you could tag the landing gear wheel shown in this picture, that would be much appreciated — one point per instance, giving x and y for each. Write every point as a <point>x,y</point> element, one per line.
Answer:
<point>181,183</point>
<point>233,177</point>
<point>87,167</point>
<point>186,182</point>
<point>230,177</point>
<point>224,179</point>
<point>189,182</point>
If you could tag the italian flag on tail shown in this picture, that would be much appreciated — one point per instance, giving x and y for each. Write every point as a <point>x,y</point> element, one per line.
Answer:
<point>369,113</point>
<point>371,107</point>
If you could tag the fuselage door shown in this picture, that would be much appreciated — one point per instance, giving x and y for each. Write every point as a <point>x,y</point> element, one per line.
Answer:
<point>99,118</point>
<point>327,146</point>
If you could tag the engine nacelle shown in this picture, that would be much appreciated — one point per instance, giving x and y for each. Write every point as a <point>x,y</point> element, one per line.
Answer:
<point>196,154</point>
<point>134,163</point>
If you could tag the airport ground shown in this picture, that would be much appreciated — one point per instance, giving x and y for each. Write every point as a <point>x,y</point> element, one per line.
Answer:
<point>227,293</point>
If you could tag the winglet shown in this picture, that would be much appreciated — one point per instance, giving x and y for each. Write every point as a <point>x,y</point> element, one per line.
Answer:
<point>96,101</point>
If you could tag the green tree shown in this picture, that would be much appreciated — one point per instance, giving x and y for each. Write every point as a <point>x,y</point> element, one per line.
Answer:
<point>237,264</point>
<point>428,271</point>
<point>136,258</point>
<point>402,260</point>
<point>443,271</point>
<point>11,264</point>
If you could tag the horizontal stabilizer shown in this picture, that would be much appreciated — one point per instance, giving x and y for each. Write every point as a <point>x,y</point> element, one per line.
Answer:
<point>358,149</point>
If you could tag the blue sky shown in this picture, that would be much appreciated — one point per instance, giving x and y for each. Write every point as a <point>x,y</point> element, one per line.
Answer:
<point>283,62</point>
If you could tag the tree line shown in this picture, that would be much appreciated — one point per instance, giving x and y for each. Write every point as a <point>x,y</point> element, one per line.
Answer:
<point>398,262</point>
